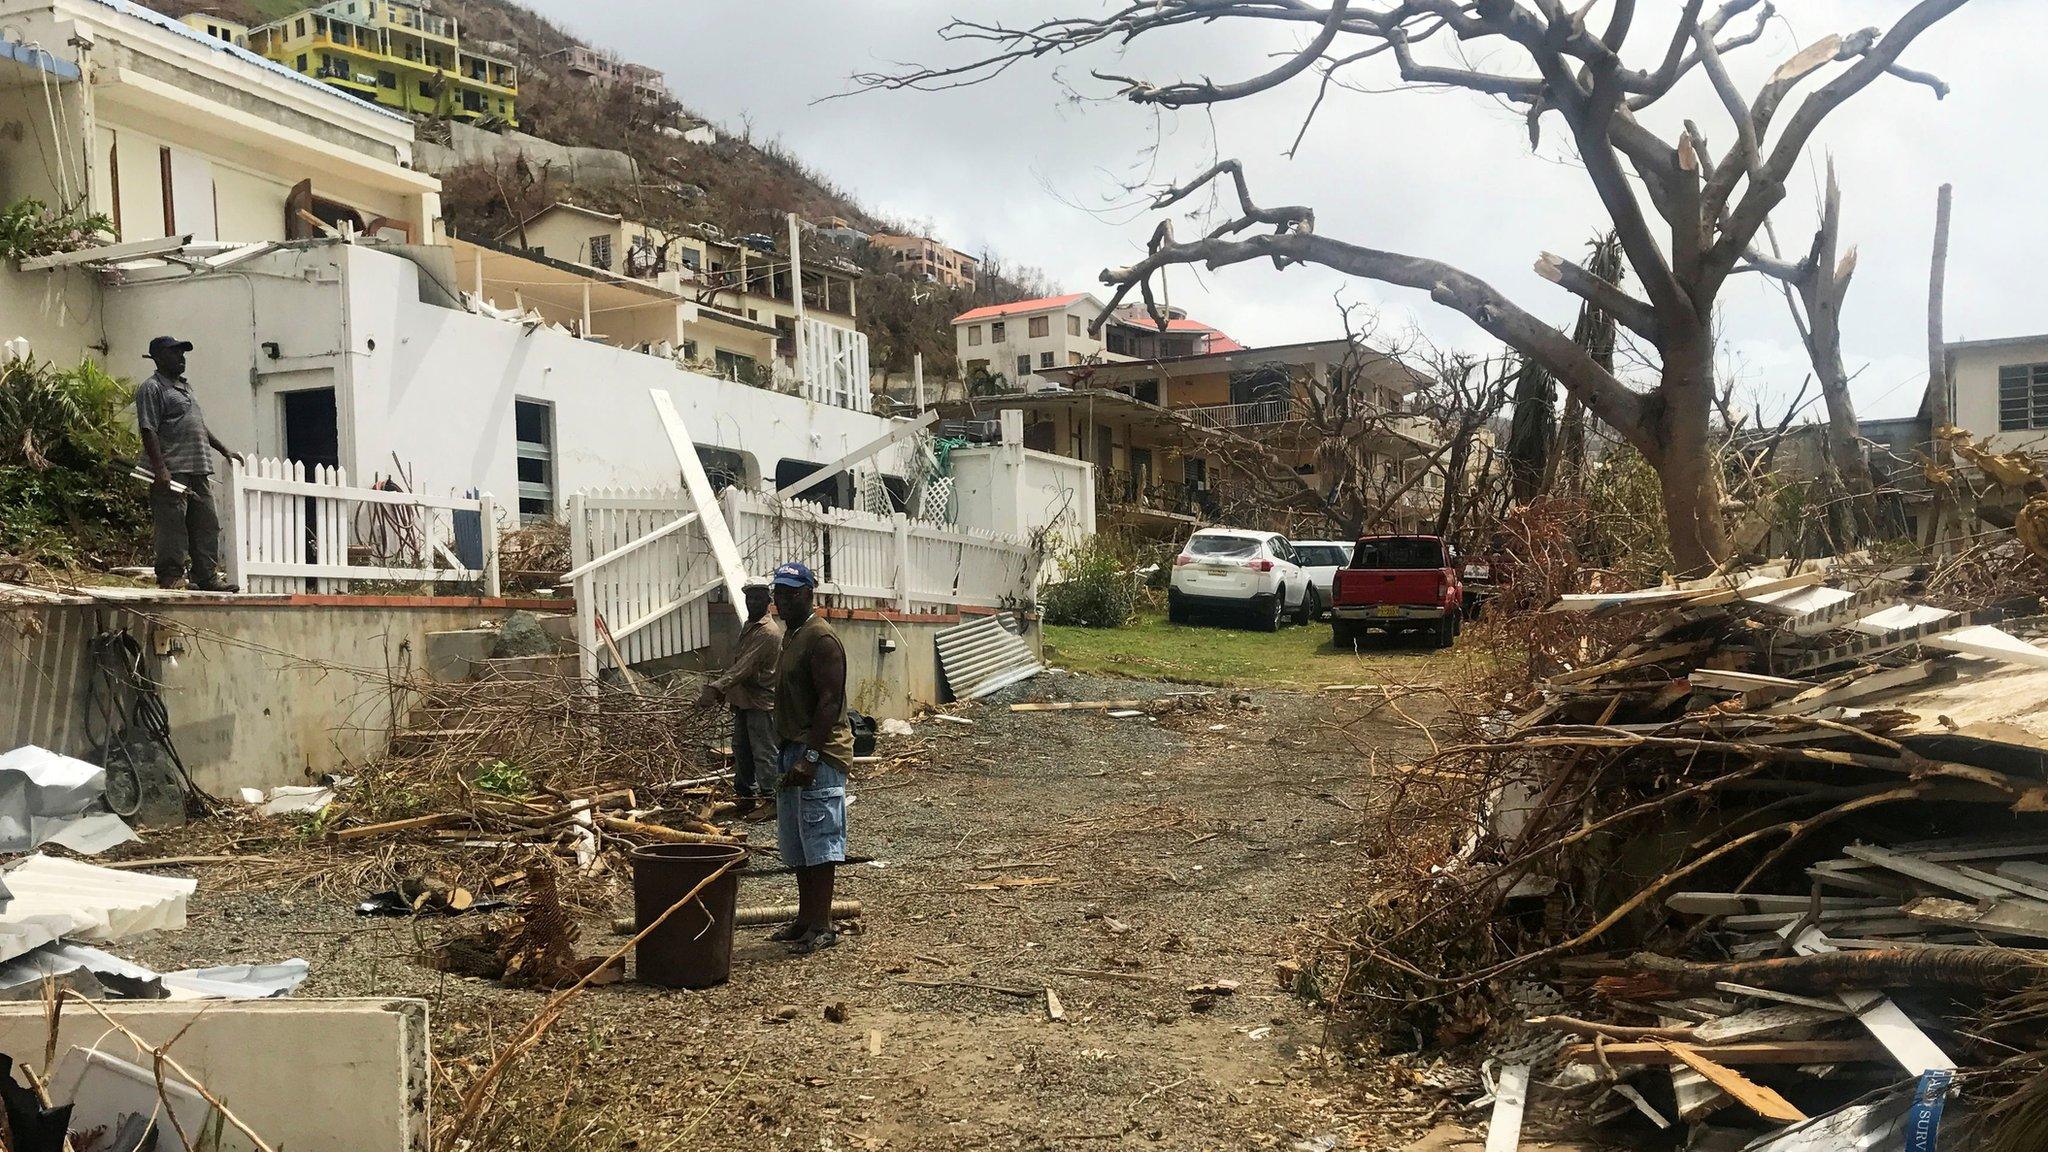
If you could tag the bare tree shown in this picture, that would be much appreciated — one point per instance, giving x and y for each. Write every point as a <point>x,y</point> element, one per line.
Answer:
<point>1815,288</point>
<point>1707,214</point>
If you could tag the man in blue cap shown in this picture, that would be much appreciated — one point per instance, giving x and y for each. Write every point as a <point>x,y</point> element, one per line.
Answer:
<point>175,440</point>
<point>817,750</point>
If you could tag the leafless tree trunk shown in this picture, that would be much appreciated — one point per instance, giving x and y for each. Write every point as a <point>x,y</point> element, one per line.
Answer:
<point>1938,414</point>
<point>1595,332</point>
<point>1531,432</point>
<point>1707,214</point>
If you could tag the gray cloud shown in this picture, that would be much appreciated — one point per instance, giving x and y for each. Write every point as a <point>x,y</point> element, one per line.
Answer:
<point>1022,166</point>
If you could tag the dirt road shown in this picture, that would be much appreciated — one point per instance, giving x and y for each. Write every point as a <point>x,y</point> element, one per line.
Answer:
<point>1119,863</point>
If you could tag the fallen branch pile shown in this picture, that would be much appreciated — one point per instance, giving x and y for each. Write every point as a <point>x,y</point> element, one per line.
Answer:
<point>1779,854</point>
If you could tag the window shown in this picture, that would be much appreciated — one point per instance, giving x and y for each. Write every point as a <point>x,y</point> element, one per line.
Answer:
<point>1024,365</point>
<point>601,252</point>
<point>1073,357</point>
<point>299,28</point>
<point>2022,396</point>
<point>387,80</point>
<point>301,65</point>
<point>533,432</point>
<point>1073,325</point>
<point>1045,360</point>
<point>426,90</point>
<point>974,336</point>
<point>1039,326</point>
<point>996,332</point>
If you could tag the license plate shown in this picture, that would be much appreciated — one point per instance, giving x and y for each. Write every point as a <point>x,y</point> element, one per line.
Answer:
<point>1389,610</point>
<point>1216,569</point>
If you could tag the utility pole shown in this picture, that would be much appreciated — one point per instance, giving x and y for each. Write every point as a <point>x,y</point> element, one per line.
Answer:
<point>796,294</point>
<point>1938,414</point>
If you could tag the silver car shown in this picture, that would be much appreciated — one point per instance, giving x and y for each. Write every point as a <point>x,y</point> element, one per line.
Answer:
<point>1319,560</point>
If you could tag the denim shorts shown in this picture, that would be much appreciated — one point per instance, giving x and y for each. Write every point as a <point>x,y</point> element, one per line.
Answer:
<point>810,826</point>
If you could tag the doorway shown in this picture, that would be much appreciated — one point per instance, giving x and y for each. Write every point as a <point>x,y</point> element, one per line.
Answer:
<point>312,428</point>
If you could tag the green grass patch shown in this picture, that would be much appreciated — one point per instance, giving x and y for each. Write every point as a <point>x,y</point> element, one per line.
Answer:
<point>1221,653</point>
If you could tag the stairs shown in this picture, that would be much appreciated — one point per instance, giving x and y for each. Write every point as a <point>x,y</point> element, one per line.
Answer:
<point>458,659</point>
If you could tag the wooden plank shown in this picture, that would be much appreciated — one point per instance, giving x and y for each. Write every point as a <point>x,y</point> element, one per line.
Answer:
<point>2016,917</point>
<point>1924,871</point>
<point>1760,588</point>
<point>128,250</point>
<point>1761,1052</point>
<point>1758,1023</point>
<point>1076,705</point>
<point>704,501</point>
<point>1751,1095</point>
<point>1862,687</point>
<point>1992,644</point>
<point>1778,997</point>
<point>1510,1099</point>
<point>899,433</point>
<point>1745,903</point>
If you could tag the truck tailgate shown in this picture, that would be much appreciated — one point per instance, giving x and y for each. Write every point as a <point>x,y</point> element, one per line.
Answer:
<point>1412,586</point>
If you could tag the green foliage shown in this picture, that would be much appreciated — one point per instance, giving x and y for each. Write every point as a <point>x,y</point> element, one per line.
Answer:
<point>503,778</point>
<point>1098,587</point>
<point>65,439</point>
<point>1625,527</point>
<point>30,228</point>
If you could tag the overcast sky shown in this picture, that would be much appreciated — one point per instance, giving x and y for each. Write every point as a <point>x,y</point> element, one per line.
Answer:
<point>1023,167</point>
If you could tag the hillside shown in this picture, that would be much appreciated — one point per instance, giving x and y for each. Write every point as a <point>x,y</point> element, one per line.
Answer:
<point>741,184</point>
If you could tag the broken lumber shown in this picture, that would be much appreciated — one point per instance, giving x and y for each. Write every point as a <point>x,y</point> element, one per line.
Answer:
<point>438,820</point>
<point>2017,917</point>
<point>1077,705</point>
<point>1763,1052</point>
<point>1510,1098</point>
<point>661,832</point>
<point>1750,1094</point>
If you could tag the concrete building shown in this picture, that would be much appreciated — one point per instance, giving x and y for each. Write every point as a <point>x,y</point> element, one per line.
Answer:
<point>738,286</point>
<point>219,27</point>
<point>923,258</point>
<point>1019,344</point>
<point>1140,422</point>
<point>167,130</point>
<point>1998,390</point>
<point>598,67</point>
<point>400,56</point>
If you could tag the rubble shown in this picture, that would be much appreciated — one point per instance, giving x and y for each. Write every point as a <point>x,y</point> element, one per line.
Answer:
<point>1776,839</point>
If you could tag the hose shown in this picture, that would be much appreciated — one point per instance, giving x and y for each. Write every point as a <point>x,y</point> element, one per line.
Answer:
<point>121,699</point>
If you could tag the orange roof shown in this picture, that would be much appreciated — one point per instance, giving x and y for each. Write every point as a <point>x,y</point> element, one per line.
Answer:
<point>1015,307</point>
<point>1218,342</point>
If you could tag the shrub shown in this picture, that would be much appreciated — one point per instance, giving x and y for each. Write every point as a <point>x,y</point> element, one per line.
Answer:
<point>1098,587</point>
<point>65,448</point>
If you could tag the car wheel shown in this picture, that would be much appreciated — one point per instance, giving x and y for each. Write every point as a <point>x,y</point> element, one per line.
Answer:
<point>1446,632</point>
<point>1311,610</point>
<point>1267,611</point>
<point>1343,635</point>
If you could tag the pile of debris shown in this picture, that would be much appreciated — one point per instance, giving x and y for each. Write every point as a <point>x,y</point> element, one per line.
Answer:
<point>1772,874</point>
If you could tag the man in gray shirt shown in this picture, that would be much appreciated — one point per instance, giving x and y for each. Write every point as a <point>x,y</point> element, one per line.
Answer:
<point>176,441</point>
<point>748,688</point>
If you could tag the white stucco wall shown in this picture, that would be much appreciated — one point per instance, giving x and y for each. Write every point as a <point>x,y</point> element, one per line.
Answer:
<point>57,311</point>
<point>1974,371</point>
<point>1014,489</point>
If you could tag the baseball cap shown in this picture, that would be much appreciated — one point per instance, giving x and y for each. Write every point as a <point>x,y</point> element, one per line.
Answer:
<point>168,344</point>
<point>794,575</point>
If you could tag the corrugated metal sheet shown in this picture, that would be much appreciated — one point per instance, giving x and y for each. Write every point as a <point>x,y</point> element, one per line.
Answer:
<point>45,661</point>
<point>48,898</point>
<point>985,654</point>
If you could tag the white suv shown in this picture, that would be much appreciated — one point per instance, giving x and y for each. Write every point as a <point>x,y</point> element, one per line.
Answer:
<point>1229,569</point>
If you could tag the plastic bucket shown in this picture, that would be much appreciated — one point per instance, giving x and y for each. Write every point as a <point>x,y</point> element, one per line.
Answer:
<point>693,948</point>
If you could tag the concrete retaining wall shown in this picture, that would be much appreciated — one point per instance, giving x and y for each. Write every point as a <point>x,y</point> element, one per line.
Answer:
<point>589,167</point>
<point>260,691</point>
<point>307,1075</point>
<point>883,684</point>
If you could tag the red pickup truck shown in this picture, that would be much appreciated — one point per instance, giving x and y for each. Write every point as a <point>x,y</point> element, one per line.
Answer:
<point>1398,584</point>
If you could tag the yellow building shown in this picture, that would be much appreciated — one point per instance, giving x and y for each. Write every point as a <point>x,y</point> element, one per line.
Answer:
<point>219,27</point>
<point>402,56</point>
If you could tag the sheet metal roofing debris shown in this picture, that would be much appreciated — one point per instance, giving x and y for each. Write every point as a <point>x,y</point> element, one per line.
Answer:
<point>48,898</point>
<point>985,655</point>
<point>1828,801</point>
<point>46,798</point>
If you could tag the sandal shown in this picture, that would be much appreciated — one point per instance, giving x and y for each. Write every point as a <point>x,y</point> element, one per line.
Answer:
<point>794,930</point>
<point>816,941</point>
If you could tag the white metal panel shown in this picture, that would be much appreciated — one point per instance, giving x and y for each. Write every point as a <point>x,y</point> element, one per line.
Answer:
<point>983,655</point>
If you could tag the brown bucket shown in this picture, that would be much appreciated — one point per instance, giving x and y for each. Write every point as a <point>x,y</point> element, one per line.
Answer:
<point>693,948</point>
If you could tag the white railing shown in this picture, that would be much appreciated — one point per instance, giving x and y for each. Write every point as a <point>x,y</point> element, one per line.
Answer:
<point>1250,414</point>
<point>292,528</point>
<point>641,571</point>
<point>644,569</point>
<point>835,365</point>
<point>893,562</point>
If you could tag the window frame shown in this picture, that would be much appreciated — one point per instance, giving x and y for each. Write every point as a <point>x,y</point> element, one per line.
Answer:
<point>1038,327</point>
<point>545,491</point>
<point>2027,409</point>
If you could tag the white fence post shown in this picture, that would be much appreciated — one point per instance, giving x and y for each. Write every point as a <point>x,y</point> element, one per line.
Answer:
<point>901,524</point>
<point>581,551</point>
<point>488,511</point>
<point>231,521</point>
<point>282,511</point>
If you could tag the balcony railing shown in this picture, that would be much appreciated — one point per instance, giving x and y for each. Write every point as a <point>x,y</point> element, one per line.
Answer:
<point>1252,414</point>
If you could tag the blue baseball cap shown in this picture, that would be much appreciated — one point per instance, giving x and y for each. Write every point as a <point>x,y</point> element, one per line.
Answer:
<point>794,575</point>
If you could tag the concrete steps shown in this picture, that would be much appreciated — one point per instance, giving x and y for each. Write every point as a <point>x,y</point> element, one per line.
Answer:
<point>458,659</point>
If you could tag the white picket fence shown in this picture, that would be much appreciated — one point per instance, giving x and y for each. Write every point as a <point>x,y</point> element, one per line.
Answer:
<point>643,568</point>
<point>293,528</point>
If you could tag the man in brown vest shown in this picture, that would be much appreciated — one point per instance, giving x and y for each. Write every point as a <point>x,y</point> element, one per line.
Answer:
<point>817,750</point>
